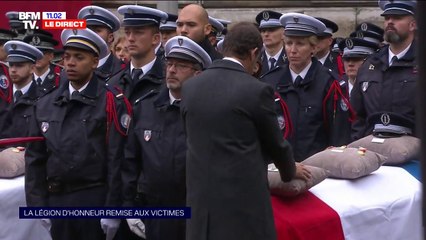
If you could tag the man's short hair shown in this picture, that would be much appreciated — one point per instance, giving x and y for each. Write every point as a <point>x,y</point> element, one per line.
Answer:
<point>241,38</point>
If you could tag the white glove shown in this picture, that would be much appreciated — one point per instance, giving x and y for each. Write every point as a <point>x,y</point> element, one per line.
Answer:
<point>110,227</point>
<point>46,223</point>
<point>137,227</point>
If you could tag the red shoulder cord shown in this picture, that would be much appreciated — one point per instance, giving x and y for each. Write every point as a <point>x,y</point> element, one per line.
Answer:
<point>288,129</point>
<point>57,71</point>
<point>112,112</point>
<point>340,66</point>
<point>123,65</point>
<point>336,91</point>
<point>7,98</point>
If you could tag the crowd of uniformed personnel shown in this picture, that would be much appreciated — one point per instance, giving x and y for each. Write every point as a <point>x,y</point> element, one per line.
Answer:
<point>110,112</point>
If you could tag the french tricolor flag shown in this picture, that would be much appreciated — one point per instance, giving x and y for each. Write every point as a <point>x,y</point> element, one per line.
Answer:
<point>385,205</point>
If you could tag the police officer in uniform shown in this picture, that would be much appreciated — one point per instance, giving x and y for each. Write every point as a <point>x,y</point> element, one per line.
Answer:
<point>217,27</point>
<point>331,60</point>
<point>308,88</point>
<point>145,71</point>
<point>21,58</point>
<point>354,52</point>
<point>386,82</point>
<point>44,74</point>
<point>168,29</point>
<point>16,25</point>
<point>154,170</point>
<point>369,32</point>
<point>104,23</point>
<point>84,124</point>
<point>272,33</point>
<point>5,84</point>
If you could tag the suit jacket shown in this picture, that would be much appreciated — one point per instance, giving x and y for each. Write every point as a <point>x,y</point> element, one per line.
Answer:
<point>231,125</point>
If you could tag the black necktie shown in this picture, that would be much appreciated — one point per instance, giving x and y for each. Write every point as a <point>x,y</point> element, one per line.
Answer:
<point>176,103</point>
<point>136,73</point>
<point>272,61</point>
<point>39,81</point>
<point>393,60</point>
<point>75,94</point>
<point>298,81</point>
<point>17,95</point>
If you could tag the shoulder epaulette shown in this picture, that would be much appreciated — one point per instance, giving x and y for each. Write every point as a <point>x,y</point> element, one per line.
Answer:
<point>115,90</point>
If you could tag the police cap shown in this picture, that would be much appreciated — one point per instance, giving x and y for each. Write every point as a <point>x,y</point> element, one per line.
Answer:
<point>298,24</point>
<point>18,51</point>
<point>184,48</point>
<point>135,15</point>
<point>97,16</point>
<point>84,39</point>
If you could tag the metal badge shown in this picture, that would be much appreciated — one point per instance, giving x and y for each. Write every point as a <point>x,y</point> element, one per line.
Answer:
<point>130,11</point>
<point>265,16</point>
<point>364,86</point>
<point>296,19</point>
<point>180,41</point>
<point>343,105</point>
<point>52,75</point>
<point>359,35</point>
<point>44,126</point>
<point>35,41</point>
<point>14,46</point>
<point>92,11</point>
<point>125,120</point>
<point>364,27</point>
<point>385,118</point>
<point>371,67</point>
<point>349,43</point>
<point>75,31</point>
<point>147,135</point>
<point>4,82</point>
<point>281,122</point>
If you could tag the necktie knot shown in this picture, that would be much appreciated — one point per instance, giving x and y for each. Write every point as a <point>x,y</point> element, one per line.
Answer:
<point>298,81</point>
<point>17,95</point>
<point>136,73</point>
<point>393,60</point>
<point>75,94</point>
<point>272,61</point>
<point>176,103</point>
<point>38,81</point>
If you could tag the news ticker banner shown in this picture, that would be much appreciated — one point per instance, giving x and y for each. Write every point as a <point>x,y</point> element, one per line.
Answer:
<point>103,212</point>
<point>50,21</point>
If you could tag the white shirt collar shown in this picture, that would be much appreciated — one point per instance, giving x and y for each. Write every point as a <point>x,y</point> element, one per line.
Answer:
<point>172,99</point>
<point>72,89</point>
<point>233,60</point>
<point>302,74</point>
<point>144,68</point>
<point>322,60</point>
<point>399,56</point>
<point>274,57</point>
<point>103,60</point>
<point>43,76</point>
<point>24,89</point>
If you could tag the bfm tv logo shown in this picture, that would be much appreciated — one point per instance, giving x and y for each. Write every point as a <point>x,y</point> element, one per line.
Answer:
<point>50,20</point>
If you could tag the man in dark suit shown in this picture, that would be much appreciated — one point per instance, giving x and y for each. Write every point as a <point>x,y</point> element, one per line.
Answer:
<point>231,127</point>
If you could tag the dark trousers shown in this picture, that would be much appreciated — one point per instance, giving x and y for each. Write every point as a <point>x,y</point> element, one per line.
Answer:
<point>78,228</point>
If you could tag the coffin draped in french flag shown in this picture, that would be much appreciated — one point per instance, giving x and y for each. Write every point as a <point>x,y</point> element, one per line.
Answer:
<point>385,205</point>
